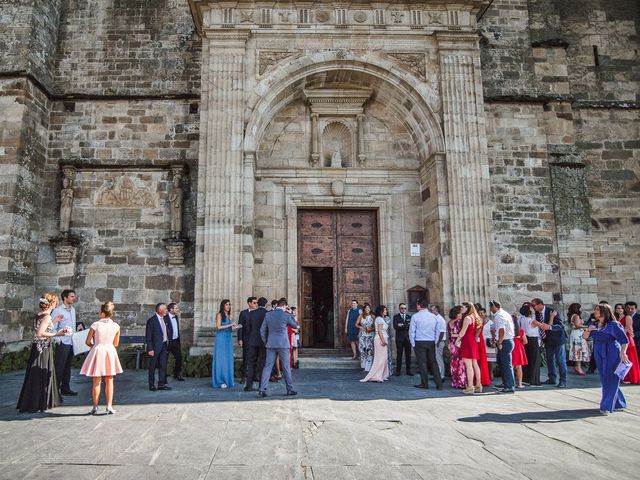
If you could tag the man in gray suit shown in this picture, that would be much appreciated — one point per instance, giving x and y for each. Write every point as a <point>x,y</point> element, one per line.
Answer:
<point>274,334</point>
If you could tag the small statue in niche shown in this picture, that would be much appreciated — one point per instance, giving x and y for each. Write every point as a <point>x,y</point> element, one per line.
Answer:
<point>175,202</point>
<point>336,156</point>
<point>66,201</point>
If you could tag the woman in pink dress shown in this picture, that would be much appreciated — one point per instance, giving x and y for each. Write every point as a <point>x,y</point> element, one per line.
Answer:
<point>519,354</point>
<point>458,373</point>
<point>380,368</point>
<point>469,351</point>
<point>102,361</point>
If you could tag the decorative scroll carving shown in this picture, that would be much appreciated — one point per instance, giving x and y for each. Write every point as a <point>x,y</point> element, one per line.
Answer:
<point>360,16</point>
<point>413,62</point>
<point>322,16</point>
<point>267,59</point>
<point>123,193</point>
<point>398,17</point>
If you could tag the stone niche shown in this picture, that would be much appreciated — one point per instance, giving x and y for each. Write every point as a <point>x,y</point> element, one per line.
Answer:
<point>337,126</point>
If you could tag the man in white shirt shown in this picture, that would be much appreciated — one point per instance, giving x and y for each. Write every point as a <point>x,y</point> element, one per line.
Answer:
<point>442,327</point>
<point>175,349</point>
<point>423,333</point>
<point>506,332</point>
<point>64,349</point>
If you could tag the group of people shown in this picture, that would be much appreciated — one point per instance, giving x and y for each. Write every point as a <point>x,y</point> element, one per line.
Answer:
<point>270,338</point>
<point>515,342</point>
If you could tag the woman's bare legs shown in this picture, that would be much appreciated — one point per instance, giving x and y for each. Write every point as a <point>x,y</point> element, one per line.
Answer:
<point>95,390</point>
<point>108,390</point>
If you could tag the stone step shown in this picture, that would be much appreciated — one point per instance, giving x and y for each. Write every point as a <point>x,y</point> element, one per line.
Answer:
<point>321,352</point>
<point>331,362</point>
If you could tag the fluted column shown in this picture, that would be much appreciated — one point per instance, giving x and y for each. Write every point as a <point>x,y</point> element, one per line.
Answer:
<point>315,144</point>
<point>360,140</point>
<point>220,228</point>
<point>472,253</point>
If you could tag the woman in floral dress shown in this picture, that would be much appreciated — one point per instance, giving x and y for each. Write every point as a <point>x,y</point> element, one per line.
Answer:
<point>579,347</point>
<point>458,372</point>
<point>365,324</point>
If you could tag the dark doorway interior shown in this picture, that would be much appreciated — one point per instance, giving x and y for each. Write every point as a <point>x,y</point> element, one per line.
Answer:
<point>322,307</point>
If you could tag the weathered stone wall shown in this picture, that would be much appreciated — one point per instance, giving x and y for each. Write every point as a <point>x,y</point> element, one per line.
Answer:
<point>23,139</point>
<point>122,255</point>
<point>128,47</point>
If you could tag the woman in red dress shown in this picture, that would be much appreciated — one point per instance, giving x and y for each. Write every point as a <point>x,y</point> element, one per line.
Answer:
<point>468,344</point>
<point>519,355</point>
<point>632,352</point>
<point>485,377</point>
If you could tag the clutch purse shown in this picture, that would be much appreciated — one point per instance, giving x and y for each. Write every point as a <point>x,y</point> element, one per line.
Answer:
<point>623,369</point>
<point>78,339</point>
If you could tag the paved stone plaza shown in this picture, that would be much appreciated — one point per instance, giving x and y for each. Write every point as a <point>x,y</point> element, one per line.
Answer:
<point>336,428</point>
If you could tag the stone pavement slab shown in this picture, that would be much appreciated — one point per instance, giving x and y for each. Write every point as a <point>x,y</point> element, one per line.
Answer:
<point>336,428</point>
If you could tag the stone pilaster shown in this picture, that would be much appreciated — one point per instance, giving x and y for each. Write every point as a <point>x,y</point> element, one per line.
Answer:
<point>219,255</point>
<point>472,252</point>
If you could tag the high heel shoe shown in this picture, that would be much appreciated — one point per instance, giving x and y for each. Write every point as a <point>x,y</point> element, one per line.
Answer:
<point>478,389</point>
<point>110,411</point>
<point>469,391</point>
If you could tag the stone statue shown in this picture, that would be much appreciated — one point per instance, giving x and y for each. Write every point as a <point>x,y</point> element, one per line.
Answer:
<point>175,202</point>
<point>336,157</point>
<point>66,202</point>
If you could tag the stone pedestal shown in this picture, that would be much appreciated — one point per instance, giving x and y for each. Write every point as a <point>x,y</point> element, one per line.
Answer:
<point>65,248</point>
<point>175,248</point>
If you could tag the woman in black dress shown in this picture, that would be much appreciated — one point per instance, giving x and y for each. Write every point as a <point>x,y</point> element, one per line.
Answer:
<point>40,388</point>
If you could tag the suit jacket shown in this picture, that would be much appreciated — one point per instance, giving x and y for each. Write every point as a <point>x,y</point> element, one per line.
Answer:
<point>636,324</point>
<point>167,322</point>
<point>153,335</point>
<point>401,327</point>
<point>274,329</point>
<point>557,335</point>
<point>254,323</point>
<point>242,320</point>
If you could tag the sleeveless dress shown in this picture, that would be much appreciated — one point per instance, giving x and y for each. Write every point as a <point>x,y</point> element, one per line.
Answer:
<point>458,372</point>
<point>519,356</point>
<point>633,376</point>
<point>469,345</point>
<point>380,368</point>
<point>483,363</point>
<point>352,331</point>
<point>102,360</point>
<point>222,364</point>
<point>40,387</point>
<point>366,344</point>
<point>579,351</point>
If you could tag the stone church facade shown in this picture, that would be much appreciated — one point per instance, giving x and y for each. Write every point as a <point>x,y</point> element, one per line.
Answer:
<point>197,150</point>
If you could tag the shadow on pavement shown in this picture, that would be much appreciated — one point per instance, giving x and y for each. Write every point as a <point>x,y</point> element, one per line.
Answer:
<point>549,416</point>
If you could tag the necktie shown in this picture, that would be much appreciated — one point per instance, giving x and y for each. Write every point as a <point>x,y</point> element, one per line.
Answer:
<point>543,333</point>
<point>164,329</point>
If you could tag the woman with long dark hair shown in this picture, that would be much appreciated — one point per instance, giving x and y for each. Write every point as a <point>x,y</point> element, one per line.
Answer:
<point>380,368</point>
<point>527,322</point>
<point>456,365</point>
<point>468,343</point>
<point>627,324</point>
<point>365,323</point>
<point>609,349</point>
<point>579,347</point>
<point>222,367</point>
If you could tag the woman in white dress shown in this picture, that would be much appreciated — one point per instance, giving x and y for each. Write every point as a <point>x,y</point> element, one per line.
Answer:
<point>380,369</point>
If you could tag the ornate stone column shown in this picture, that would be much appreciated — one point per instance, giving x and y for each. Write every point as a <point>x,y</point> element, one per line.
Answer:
<point>472,252</point>
<point>315,145</point>
<point>219,237</point>
<point>360,140</point>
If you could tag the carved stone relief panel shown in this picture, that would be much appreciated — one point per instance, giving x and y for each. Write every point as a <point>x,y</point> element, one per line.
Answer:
<point>414,62</point>
<point>337,144</point>
<point>268,59</point>
<point>126,191</point>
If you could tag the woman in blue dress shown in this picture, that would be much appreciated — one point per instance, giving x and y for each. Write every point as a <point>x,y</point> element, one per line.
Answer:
<point>222,368</point>
<point>350,328</point>
<point>610,348</point>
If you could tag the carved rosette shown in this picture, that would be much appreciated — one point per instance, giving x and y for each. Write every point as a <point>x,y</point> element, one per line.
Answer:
<point>268,59</point>
<point>414,62</point>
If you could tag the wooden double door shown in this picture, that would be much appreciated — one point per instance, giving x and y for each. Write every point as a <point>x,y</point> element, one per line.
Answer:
<point>338,262</point>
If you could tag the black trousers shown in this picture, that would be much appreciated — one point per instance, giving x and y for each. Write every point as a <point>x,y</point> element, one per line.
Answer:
<point>176,351</point>
<point>403,346</point>
<point>531,371</point>
<point>64,357</point>
<point>159,361</point>
<point>426,356</point>
<point>256,358</point>
<point>243,365</point>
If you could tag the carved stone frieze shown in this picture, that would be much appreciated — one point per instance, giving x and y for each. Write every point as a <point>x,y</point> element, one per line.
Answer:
<point>267,59</point>
<point>322,16</point>
<point>398,17</point>
<point>246,16</point>
<point>414,62</point>
<point>123,192</point>
<point>360,16</point>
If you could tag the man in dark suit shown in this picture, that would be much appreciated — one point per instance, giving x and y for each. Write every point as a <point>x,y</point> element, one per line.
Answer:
<point>256,351</point>
<point>555,340</point>
<point>158,348</point>
<point>173,324</point>
<point>275,335</point>
<point>401,323</point>
<point>632,311</point>
<point>252,304</point>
